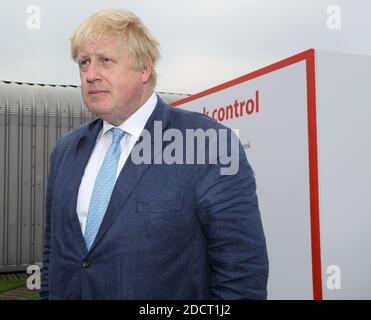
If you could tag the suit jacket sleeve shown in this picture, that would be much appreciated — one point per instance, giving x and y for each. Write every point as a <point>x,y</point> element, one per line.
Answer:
<point>44,292</point>
<point>227,208</point>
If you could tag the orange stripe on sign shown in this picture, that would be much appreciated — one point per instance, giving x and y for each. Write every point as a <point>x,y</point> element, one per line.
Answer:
<point>313,178</point>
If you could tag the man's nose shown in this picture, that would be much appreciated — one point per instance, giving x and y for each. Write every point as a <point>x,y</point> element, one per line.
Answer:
<point>93,73</point>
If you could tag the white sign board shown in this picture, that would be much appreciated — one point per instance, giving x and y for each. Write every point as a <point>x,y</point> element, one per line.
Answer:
<point>275,110</point>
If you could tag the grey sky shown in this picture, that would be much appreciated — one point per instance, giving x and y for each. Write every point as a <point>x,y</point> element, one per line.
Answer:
<point>203,42</point>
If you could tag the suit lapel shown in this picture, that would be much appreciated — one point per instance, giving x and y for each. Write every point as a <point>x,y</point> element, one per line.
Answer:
<point>82,151</point>
<point>131,172</point>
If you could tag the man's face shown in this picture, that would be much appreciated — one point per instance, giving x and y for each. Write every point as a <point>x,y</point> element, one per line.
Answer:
<point>110,87</point>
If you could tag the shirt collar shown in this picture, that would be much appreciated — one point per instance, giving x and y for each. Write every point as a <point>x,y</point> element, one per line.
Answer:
<point>135,124</point>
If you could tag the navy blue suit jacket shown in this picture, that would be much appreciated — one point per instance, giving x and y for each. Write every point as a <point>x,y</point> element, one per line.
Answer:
<point>180,231</point>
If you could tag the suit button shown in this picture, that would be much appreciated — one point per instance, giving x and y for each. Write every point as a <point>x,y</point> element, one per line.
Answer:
<point>86,264</point>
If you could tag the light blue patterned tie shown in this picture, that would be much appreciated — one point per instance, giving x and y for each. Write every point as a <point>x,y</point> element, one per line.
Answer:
<point>103,188</point>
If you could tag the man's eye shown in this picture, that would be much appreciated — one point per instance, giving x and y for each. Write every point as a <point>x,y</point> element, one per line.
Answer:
<point>106,60</point>
<point>83,62</point>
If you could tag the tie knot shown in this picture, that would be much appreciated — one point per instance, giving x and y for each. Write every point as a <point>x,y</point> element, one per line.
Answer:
<point>117,135</point>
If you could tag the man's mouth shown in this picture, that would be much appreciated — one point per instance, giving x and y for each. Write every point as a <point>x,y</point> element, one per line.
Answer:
<point>97,92</point>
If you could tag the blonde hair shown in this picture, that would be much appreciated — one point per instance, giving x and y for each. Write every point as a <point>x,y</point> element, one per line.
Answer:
<point>127,28</point>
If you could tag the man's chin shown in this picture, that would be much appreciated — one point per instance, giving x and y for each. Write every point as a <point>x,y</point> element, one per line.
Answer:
<point>98,107</point>
<point>98,112</point>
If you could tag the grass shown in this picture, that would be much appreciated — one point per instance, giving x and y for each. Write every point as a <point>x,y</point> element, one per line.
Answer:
<point>32,297</point>
<point>12,284</point>
<point>8,285</point>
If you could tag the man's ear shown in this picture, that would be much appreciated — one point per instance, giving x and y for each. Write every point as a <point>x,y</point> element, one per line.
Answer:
<point>147,70</point>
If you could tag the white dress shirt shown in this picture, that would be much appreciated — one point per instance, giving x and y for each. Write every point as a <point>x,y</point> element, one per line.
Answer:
<point>133,126</point>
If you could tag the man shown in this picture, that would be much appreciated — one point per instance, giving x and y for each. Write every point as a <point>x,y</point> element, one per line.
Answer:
<point>120,229</point>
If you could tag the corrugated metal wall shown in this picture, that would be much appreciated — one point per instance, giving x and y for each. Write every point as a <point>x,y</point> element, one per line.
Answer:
<point>32,118</point>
